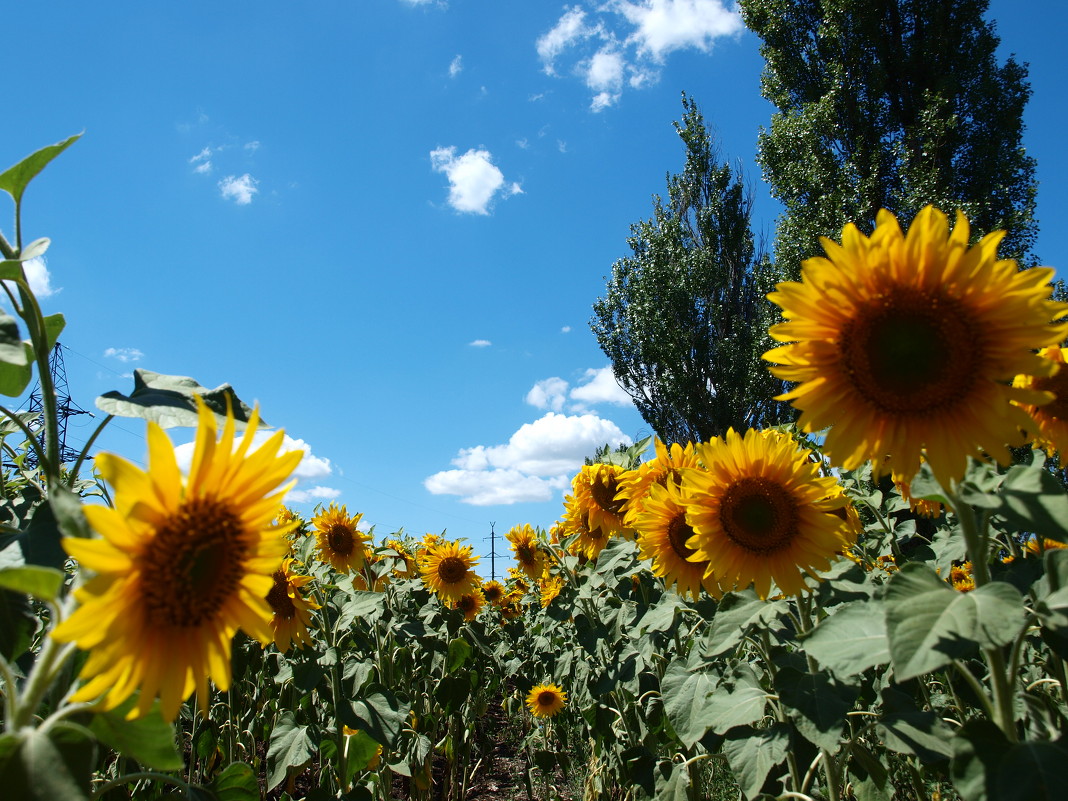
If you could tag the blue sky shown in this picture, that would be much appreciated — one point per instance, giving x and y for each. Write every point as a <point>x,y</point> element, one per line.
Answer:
<point>386,221</point>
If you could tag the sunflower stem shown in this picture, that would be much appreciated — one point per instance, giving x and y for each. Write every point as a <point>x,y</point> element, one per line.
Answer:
<point>108,786</point>
<point>804,610</point>
<point>11,695</point>
<point>46,669</point>
<point>780,715</point>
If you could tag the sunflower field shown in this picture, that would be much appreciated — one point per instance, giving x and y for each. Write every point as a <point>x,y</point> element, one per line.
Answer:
<point>870,604</point>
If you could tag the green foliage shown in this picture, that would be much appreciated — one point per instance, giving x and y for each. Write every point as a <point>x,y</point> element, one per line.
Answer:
<point>891,105</point>
<point>684,319</point>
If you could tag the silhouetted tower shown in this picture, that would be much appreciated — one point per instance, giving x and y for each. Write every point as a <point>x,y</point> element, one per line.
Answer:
<point>65,409</point>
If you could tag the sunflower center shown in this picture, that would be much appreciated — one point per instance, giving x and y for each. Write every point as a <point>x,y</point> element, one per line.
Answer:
<point>466,603</point>
<point>524,553</point>
<point>340,539</point>
<point>911,351</point>
<point>677,533</point>
<point>193,564</point>
<point>278,597</point>
<point>452,569</point>
<point>759,515</point>
<point>546,698</point>
<point>1058,385</point>
<point>603,489</point>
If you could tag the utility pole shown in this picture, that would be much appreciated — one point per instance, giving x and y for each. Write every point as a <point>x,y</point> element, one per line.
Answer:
<point>65,409</point>
<point>493,553</point>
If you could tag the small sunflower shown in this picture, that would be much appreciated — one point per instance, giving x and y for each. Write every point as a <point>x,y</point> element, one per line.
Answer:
<point>470,603</point>
<point>760,512</point>
<point>904,345</point>
<point>292,611</point>
<point>594,492</point>
<point>1052,418</point>
<point>546,700</point>
<point>493,591</point>
<point>528,553</point>
<point>447,571</point>
<point>183,563</point>
<point>961,576</point>
<point>338,540</point>
<point>550,589</point>
<point>662,536</point>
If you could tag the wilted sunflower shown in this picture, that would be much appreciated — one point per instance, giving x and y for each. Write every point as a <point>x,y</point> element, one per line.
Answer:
<point>594,494</point>
<point>545,700</point>
<point>338,540</point>
<point>182,565</point>
<point>493,591</point>
<point>760,512</point>
<point>292,611</point>
<point>1051,419</point>
<point>470,603</point>
<point>447,571</point>
<point>905,345</point>
<point>528,553</point>
<point>662,536</point>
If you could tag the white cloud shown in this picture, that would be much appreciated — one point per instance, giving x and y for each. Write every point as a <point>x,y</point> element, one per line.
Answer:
<point>565,330</point>
<point>456,66</point>
<point>124,355</point>
<point>203,168</point>
<point>479,343</point>
<point>600,387</point>
<point>240,190</point>
<point>312,494</point>
<point>37,276</point>
<point>538,460</point>
<point>630,39</point>
<point>203,155</point>
<point>549,393</point>
<point>252,146</point>
<point>474,180</point>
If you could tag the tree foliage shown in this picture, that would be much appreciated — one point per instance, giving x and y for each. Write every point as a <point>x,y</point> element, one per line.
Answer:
<point>684,318</point>
<point>891,104</point>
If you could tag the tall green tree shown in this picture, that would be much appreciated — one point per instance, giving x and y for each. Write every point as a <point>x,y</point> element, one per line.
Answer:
<point>684,318</point>
<point>891,104</point>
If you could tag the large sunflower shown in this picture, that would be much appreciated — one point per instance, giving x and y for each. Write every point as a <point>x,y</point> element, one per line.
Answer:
<point>594,491</point>
<point>292,611</point>
<point>545,700</point>
<point>906,344</point>
<point>1051,420</point>
<point>447,571</point>
<point>662,536</point>
<point>528,553</point>
<point>760,512</point>
<point>338,539</point>
<point>181,566</point>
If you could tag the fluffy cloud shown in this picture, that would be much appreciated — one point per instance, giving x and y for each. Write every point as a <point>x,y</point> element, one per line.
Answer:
<point>480,343</point>
<point>474,180</point>
<point>550,393</point>
<point>598,385</point>
<point>124,355</point>
<point>456,66</point>
<point>240,190</point>
<point>537,461</point>
<point>38,277</point>
<point>630,39</point>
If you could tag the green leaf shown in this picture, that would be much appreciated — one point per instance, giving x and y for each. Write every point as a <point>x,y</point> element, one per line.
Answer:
<point>737,612</point>
<point>149,739</point>
<point>45,766</point>
<point>685,694</point>
<point>909,730</point>
<point>40,582</point>
<point>381,714</point>
<point>17,624</point>
<point>924,486</point>
<point>753,753</point>
<point>15,179</point>
<point>361,748</point>
<point>363,605</point>
<point>35,249</point>
<point>14,377</point>
<point>978,746</point>
<point>929,624</point>
<point>458,656</point>
<point>169,400</point>
<point>1035,771</point>
<point>1033,499</point>
<point>817,705</point>
<point>851,640</point>
<point>291,747</point>
<point>12,348</point>
<point>41,541</point>
<point>676,786</point>
<point>237,782</point>
<point>737,700</point>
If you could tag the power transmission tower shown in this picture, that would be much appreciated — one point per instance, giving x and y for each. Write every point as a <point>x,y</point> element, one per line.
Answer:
<point>65,409</point>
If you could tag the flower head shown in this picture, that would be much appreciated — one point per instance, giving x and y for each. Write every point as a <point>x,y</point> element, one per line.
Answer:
<point>292,611</point>
<point>181,565</point>
<point>528,553</point>
<point>594,492</point>
<point>904,345</point>
<point>1050,419</point>
<point>545,700</point>
<point>448,571</point>
<point>339,541</point>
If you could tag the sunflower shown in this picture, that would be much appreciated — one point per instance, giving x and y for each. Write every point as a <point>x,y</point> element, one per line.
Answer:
<point>528,554</point>
<point>470,603</point>
<point>545,700</point>
<point>905,345</point>
<point>550,589</point>
<point>589,542</point>
<point>961,576</point>
<point>181,566</point>
<point>594,493</point>
<point>338,540</point>
<point>447,571</point>
<point>1052,418</point>
<point>761,513</point>
<point>493,591</point>
<point>667,467</point>
<point>662,536</point>
<point>292,611</point>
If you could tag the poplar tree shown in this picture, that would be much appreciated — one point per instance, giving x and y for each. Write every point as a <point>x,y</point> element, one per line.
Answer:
<point>891,104</point>
<point>684,318</point>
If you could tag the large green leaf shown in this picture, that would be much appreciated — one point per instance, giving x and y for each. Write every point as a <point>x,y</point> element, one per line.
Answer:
<point>12,349</point>
<point>15,179</point>
<point>46,766</point>
<point>381,714</point>
<point>237,782</point>
<point>40,582</point>
<point>686,695</point>
<point>169,400</point>
<point>1033,499</point>
<point>907,729</point>
<point>17,624</point>
<point>14,378</point>
<point>148,739</point>
<point>987,767</point>
<point>851,640</point>
<point>737,612</point>
<point>929,624</point>
<point>816,704</point>
<point>291,747</point>
<point>737,700</point>
<point>753,753</point>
